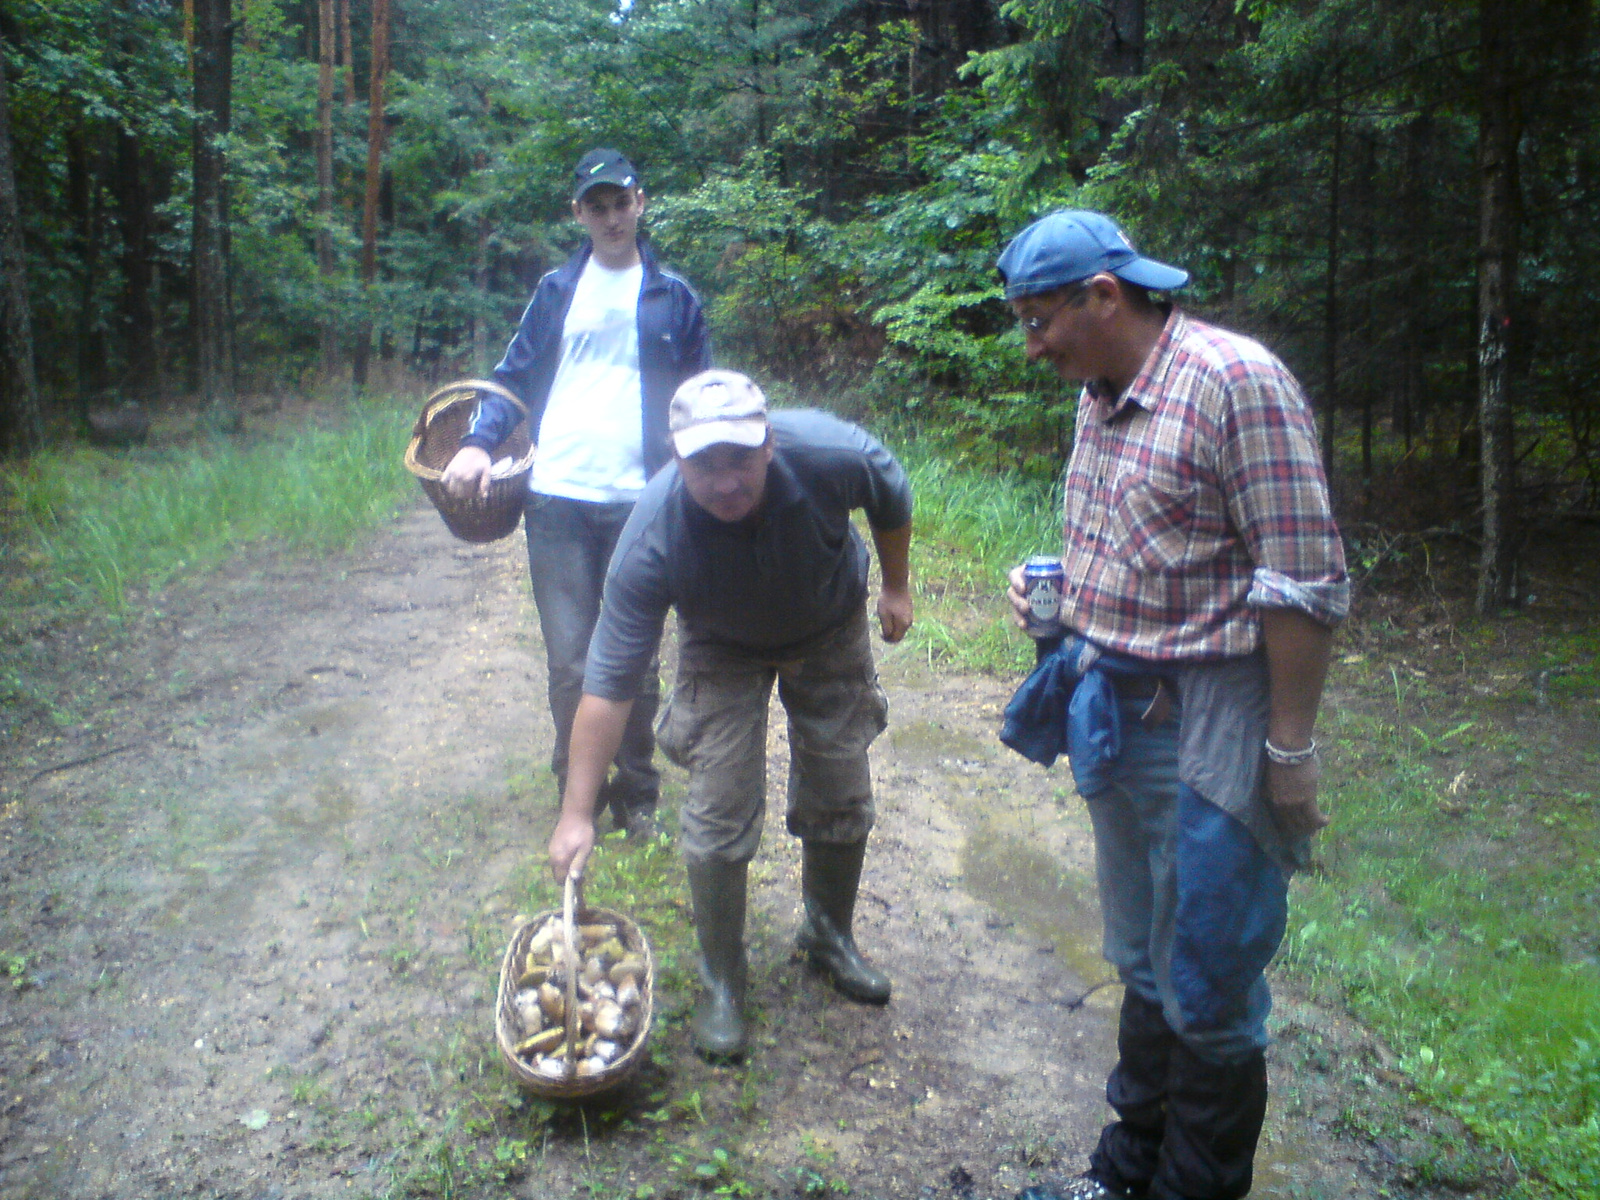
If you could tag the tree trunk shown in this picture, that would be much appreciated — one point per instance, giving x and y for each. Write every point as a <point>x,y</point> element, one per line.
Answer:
<point>1409,400</point>
<point>84,208</point>
<point>21,429</point>
<point>1499,131</point>
<point>1330,306</point>
<point>1367,173</point>
<point>949,30</point>
<point>139,368</point>
<point>756,65</point>
<point>210,296</point>
<point>326,38</point>
<point>480,275</point>
<point>345,53</point>
<point>369,208</point>
<point>1122,58</point>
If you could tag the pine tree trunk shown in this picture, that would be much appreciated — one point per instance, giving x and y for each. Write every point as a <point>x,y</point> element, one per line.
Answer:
<point>210,295</point>
<point>140,370</point>
<point>1123,58</point>
<point>326,38</point>
<point>346,54</point>
<point>480,277</point>
<point>1330,299</point>
<point>369,208</point>
<point>21,428</point>
<point>84,209</point>
<point>1498,211</point>
<point>130,188</point>
<point>1367,173</point>
<point>1409,400</point>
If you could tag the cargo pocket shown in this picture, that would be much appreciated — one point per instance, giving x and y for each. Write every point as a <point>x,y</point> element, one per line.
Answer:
<point>673,723</point>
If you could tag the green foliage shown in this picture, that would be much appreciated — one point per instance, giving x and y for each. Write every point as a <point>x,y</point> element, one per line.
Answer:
<point>838,186</point>
<point>15,967</point>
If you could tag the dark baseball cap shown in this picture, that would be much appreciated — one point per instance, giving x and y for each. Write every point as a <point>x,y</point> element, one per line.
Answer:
<point>603,166</point>
<point>1071,245</point>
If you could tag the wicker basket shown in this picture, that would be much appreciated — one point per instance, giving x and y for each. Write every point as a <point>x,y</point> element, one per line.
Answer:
<point>508,1027</point>
<point>434,441</point>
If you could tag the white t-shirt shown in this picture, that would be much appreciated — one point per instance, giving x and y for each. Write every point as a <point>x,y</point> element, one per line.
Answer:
<point>591,437</point>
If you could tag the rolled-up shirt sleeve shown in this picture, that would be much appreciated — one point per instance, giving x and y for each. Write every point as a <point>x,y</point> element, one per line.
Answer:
<point>1270,471</point>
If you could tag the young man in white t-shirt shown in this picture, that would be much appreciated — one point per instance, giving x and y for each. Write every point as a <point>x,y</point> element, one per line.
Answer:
<point>602,346</point>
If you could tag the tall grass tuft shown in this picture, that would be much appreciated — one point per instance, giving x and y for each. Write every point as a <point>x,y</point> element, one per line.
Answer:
<point>974,526</point>
<point>100,529</point>
<point>971,528</point>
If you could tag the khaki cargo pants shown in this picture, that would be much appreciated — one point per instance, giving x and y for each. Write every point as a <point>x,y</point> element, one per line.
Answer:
<point>715,727</point>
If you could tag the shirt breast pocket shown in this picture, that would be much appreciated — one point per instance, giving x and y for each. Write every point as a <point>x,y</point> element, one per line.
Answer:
<point>1154,521</point>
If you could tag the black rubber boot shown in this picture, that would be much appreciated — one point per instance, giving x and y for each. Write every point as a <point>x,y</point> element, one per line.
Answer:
<point>1136,1090</point>
<point>830,875</point>
<point>1214,1116</point>
<point>718,891</point>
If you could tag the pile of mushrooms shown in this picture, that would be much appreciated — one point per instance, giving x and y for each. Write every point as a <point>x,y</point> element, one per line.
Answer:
<point>609,979</point>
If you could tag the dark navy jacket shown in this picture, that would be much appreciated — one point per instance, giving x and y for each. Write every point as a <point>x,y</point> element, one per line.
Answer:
<point>673,345</point>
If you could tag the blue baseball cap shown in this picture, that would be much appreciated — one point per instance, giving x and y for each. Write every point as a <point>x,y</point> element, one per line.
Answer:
<point>1071,245</point>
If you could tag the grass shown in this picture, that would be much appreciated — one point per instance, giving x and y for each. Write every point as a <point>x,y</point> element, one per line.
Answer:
<point>86,534</point>
<point>1457,921</point>
<point>970,530</point>
<point>96,532</point>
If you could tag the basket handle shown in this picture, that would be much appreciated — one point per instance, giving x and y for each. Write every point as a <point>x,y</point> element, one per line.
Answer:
<point>570,904</point>
<point>460,385</point>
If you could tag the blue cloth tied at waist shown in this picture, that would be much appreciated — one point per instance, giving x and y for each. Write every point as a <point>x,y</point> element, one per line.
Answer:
<point>1068,705</point>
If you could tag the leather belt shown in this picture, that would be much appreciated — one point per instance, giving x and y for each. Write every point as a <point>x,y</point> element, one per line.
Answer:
<point>1135,687</point>
<point>1150,688</point>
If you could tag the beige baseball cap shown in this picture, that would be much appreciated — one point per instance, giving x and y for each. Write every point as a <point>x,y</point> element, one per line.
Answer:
<point>716,406</point>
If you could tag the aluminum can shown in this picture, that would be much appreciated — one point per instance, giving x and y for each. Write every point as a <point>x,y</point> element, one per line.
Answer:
<point>1043,580</point>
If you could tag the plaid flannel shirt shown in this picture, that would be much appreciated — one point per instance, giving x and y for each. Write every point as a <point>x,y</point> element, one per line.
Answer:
<point>1196,498</point>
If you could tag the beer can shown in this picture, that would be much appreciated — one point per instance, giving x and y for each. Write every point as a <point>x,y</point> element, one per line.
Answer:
<point>1043,580</point>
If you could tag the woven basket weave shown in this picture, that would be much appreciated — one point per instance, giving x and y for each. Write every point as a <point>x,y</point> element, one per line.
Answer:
<point>436,437</point>
<point>508,1027</point>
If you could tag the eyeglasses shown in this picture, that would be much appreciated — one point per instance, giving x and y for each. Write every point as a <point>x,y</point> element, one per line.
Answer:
<point>1038,324</point>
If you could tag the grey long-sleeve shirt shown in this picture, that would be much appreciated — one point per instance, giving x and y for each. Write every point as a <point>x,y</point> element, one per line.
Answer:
<point>797,570</point>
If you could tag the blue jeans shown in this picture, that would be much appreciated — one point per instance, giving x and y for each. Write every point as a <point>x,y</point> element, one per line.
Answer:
<point>1193,909</point>
<point>569,547</point>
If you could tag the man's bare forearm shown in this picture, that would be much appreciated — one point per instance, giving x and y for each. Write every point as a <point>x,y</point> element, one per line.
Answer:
<point>1298,651</point>
<point>894,601</point>
<point>894,556</point>
<point>597,731</point>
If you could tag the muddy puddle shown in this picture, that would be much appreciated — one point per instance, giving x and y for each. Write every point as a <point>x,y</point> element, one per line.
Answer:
<point>1006,859</point>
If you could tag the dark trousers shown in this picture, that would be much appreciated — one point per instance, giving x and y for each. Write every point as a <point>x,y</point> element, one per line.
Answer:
<point>569,547</point>
<point>1186,1128</point>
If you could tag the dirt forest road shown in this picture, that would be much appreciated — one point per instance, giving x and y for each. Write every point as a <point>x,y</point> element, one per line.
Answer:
<point>253,885</point>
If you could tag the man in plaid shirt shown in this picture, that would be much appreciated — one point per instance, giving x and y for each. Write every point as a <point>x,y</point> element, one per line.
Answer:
<point>1204,575</point>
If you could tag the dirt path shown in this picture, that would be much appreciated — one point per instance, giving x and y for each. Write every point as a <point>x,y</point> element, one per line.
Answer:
<point>257,884</point>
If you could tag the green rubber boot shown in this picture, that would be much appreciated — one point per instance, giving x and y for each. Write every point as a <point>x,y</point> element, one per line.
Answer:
<point>830,875</point>
<point>718,891</point>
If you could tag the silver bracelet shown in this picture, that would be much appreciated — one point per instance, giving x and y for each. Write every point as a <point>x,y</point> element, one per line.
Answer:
<point>1291,758</point>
